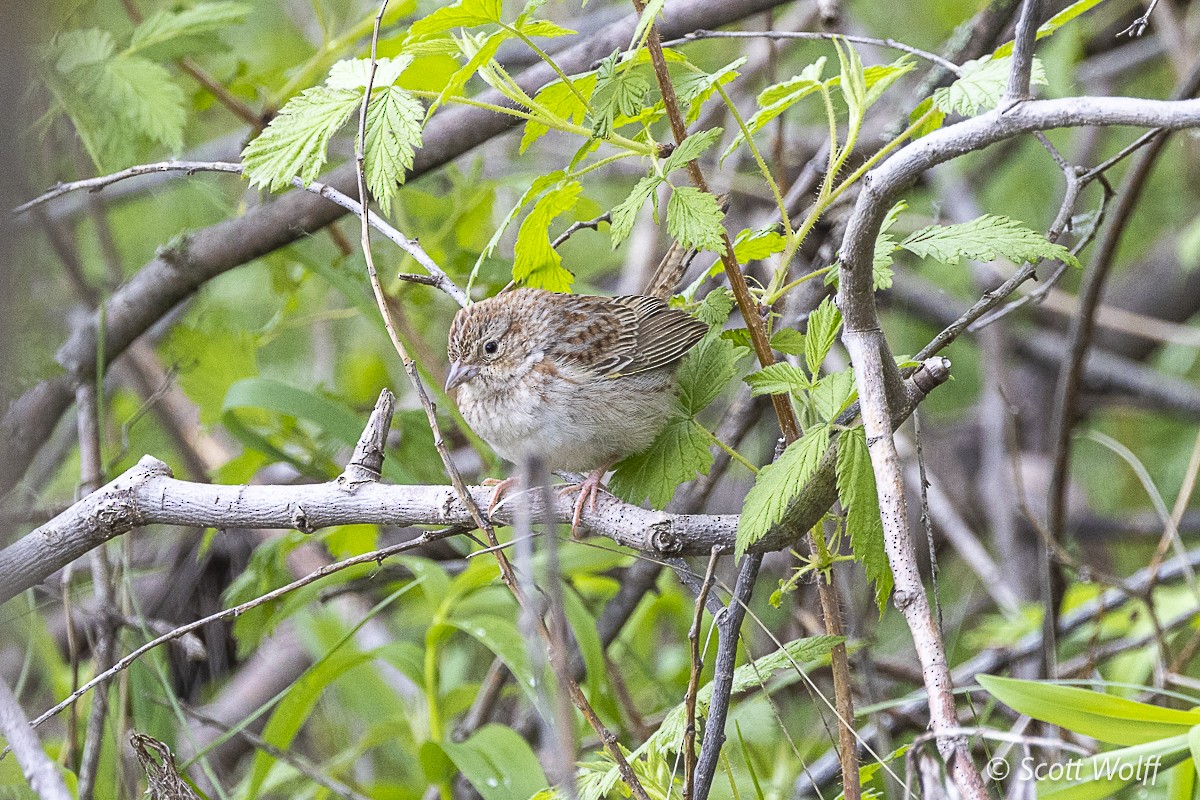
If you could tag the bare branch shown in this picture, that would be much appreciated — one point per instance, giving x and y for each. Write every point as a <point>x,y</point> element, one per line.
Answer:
<point>39,770</point>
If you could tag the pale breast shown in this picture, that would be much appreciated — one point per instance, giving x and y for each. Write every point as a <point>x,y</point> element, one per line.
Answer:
<point>571,422</point>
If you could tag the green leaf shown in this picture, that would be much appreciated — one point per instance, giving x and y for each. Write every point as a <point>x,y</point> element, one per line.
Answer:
<point>800,651</point>
<point>985,239</point>
<point>879,78</point>
<point>71,49</point>
<point>498,763</point>
<point>981,85</point>
<point>778,98</point>
<point>147,97</point>
<point>544,28</point>
<point>777,484</point>
<point>857,494</point>
<point>789,341</point>
<point>625,214</point>
<point>295,142</point>
<point>756,245</point>
<point>535,262</point>
<point>464,14</point>
<point>1106,774</point>
<point>558,99</point>
<point>780,378</point>
<point>695,88</point>
<point>934,121</point>
<point>823,326</point>
<point>170,33</point>
<point>501,636</point>
<point>694,218</point>
<point>716,307</point>
<point>355,73</point>
<point>1105,717</point>
<point>619,92</point>
<point>394,120</point>
<point>852,81</point>
<point>1051,25</point>
<point>706,370</point>
<point>678,455</point>
<point>690,149</point>
<point>885,245</point>
<point>832,395</point>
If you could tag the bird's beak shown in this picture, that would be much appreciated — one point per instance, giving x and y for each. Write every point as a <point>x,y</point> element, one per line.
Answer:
<point>460,373</point>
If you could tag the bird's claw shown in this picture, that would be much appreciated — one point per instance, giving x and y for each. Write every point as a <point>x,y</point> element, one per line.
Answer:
<point>497,493</point>
<point>588,490</point>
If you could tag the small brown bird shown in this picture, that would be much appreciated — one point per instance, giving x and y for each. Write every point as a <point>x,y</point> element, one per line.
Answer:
<point>576,381</point>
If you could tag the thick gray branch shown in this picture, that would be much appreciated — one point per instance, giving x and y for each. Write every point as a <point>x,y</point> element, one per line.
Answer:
<point>147,494</point>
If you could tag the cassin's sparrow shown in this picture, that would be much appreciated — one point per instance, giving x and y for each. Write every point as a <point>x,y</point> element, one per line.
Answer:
<point>576,381</point>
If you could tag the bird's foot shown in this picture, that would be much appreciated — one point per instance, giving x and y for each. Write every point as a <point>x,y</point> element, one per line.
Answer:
<point>501,488</point>
<point>588,490</point>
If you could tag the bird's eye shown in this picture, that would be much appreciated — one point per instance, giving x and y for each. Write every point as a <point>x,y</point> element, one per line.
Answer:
<point>490,347</point>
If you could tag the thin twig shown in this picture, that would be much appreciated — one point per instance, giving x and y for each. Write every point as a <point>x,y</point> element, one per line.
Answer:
<point>124,663</point>
<point>1138,27</point>
<point>575,227</point>
<point>819,35</point>
<point>437,276</point>
<point>689,698</point>
<point>1022,57</point>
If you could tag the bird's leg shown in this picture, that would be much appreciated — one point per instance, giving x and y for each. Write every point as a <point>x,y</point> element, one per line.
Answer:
<point>497,493</point>
<point>588,491</point>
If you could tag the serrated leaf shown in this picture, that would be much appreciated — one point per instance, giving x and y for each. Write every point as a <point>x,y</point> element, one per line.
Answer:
<point>857,494</point>
<point>852,81</point>
<point>149,98</point>
<point>777,483</point>
<point>71,49</point>
<point>832,395</point>
<point>778,98</point>
<point>981,85</point>
<point>755,245</point>
<point>464,14</point>
<point>169,33</point>
<point>679,454</point>
<point>985,239</point>
<point>780,378</point>
<point>295,142</point>
<point>706,370</point>
<point>619,92</point>
<point>695,88</point>
<point>625,214</point>
<point>694,218</point>
<point>823,326</point>
<point>789,341</point>
<point>716,307</point>
<point>690,149</point>
<point>394,120</point>
<point>535,262</point>
<point>479,51</point>
<point>931,122</point>
<point>558,98</point>
<point>544,28</point>
<point>878,78</point>
<point>885,245</point>
<point>800,651</point>
<point>354,73</point>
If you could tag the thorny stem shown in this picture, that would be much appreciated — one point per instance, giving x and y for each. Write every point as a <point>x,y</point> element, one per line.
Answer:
<point>714,736</point>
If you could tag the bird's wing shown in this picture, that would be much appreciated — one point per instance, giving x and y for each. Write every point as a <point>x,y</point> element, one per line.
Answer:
<point>662,334</point>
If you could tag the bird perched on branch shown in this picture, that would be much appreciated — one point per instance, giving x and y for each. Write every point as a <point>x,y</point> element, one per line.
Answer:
<point>575,381</point>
